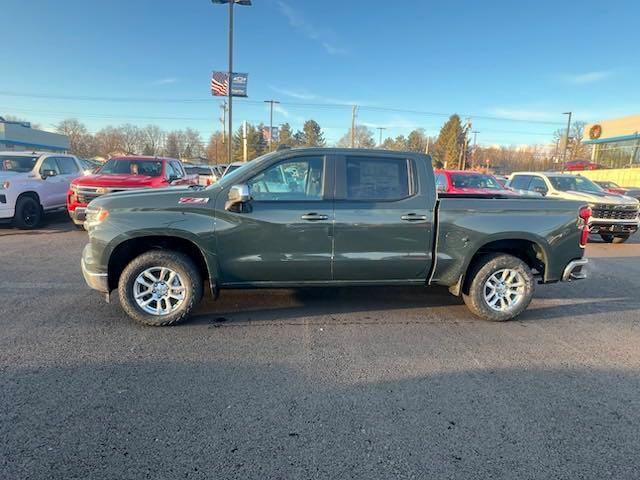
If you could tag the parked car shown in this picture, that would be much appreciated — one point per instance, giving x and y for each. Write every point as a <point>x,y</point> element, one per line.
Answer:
<point>615,217</point>
<point>32,183</point>
<point>329,217</point>
<point>123,173</point>
<point>204,174</point>
<point>612,187</point>
<point>469,182</point>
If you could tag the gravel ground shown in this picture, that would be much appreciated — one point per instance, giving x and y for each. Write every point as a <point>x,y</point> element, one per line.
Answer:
<point>297,384</point>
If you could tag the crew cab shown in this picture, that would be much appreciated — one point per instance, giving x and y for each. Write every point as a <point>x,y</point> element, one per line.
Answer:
<point>121,174</point>
<point>328,217</point>
<point>614,217</point>
<point>468,182</point>
<point>32,183</point>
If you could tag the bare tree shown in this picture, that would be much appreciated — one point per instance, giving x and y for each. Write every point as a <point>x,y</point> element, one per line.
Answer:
<point>153,140</point>
<point>81,142</point>
<point>363,138</point>
<point>110,140</point>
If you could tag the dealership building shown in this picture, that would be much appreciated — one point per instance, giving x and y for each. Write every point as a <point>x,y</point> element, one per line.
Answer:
<point>19,136</point>
<point>616,142</point>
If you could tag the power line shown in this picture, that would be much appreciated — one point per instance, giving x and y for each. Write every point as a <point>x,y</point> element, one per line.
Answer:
<point>90,98</point>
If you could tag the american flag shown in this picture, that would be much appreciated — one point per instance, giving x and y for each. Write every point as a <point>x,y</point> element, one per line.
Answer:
<point>220,84</point>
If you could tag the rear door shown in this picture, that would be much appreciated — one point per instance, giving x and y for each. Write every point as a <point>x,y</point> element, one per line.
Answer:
<point>384,215</point>
<point>285,233</point>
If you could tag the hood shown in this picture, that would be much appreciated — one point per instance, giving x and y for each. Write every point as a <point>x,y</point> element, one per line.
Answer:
<point>115,180</point>
<point>599,197</point>
<point>148,198</point>
<point>7,175</point>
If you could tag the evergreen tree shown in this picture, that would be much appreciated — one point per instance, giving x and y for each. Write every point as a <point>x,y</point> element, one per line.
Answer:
<point>285,135</point>
<point>312,134</point>
<point>298,139</point>
<point>450,142</point>
<point>417,141</point>
<point>256,143</point>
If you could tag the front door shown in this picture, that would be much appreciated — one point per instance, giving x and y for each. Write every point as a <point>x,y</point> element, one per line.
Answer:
<point>285,232</point>
<point>383,218</point>
<point>53,191</point>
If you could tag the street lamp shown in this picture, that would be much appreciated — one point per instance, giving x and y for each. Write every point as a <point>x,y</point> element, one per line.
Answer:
<point>230,78</point>
<point>271,102</point>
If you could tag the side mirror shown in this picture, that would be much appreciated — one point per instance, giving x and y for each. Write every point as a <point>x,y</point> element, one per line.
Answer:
<point>48,173</point>
<point>172,178</point>
<point>238,196</point>
<point>440,188</point>
<point>541,190</point>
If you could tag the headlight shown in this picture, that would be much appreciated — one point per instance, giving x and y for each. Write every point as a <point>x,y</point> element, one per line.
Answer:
<point>5,185</point>
<point>95,216</point>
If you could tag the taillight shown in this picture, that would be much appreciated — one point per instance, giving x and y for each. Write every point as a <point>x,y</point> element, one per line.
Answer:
<point>585,215</point>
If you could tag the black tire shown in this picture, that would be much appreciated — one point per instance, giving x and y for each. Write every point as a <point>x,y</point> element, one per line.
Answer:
<point>179,263</point>
<point>607,237</point>
<point>620,238</point>
<point>28,213</point>
<point>79,226</point>
<point>479,273</point>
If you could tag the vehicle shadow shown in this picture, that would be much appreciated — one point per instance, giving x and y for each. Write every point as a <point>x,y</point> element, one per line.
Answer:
<point>257,419</point>
<point>56,222</point>
<point>293,304</point>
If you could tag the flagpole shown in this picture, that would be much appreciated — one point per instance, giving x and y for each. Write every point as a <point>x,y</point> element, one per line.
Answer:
<point>230,80</point>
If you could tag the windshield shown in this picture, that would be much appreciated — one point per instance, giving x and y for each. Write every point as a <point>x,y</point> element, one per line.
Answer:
<point>575,184</point>
<point>151,168</point>
<point>17,163</point>
<point>472,180</point>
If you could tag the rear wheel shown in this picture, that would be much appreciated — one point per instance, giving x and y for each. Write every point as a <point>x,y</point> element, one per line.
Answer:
<point>160,288</point>
<point>606,237</point>
<point>500,287</point>
<point>621,238</point>
<point>28,213</point>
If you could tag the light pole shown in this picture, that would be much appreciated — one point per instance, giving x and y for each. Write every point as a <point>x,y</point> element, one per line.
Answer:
<point>230,76</point>
<point>380,141</point>
<point>566,140</point>
<point>271,102</point>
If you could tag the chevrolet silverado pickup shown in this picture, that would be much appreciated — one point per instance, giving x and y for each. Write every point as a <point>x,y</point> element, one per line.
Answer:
<point>614,217</point>
<point>328,217</point>
<point>124,173</point>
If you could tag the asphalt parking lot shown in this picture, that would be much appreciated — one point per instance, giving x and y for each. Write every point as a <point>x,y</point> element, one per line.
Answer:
<point>342,383</point>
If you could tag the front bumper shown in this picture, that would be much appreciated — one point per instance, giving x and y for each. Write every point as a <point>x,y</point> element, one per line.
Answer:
<point>97,281</point>
<point>575,270</point>
<point>78,215</point>
<point>612,226</point>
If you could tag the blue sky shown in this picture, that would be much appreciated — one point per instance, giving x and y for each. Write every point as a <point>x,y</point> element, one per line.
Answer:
<point>524,62</point>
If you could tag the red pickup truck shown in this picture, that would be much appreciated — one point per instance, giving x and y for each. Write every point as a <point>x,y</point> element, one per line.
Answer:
<point>124,173</point>
<point>469,182</point>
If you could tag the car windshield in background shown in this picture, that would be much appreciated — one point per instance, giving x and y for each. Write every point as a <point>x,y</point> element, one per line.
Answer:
<point>198,171</point>
<point>151,168</point>
<point>466,180</point>
<point>575,184</point>
<point>17,163</point>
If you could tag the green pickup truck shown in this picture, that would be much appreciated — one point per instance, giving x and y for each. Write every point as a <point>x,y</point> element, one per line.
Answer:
<point>328,217</point>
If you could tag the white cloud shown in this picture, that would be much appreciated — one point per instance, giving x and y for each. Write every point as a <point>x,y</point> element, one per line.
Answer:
<point>325,37</point>
<point>164,81</point>
<point>587,77</point>
<point>525,114</point>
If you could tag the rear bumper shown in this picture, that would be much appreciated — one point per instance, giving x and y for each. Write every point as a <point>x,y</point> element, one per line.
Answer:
<point>575,270</point>
<point>97,281</point>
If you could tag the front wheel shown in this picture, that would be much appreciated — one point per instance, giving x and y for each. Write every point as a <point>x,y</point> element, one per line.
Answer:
<point>610,238</point>
<point>499,287</point>
<point>28,213</point>
<point>160,288</point>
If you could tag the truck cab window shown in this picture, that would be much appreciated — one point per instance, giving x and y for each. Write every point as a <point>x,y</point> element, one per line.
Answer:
<point>291,180</point>
<point>377,178</point>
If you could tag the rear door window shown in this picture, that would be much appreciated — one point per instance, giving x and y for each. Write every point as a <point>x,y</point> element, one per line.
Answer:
<point>520,182</point>
<point>382,179</point>
<point>67,165</point>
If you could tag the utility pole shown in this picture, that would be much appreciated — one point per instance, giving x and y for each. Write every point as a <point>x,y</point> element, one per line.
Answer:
<point>381,129</point>
<point>475,141</point>
<point>271,102</point>
<point>223,119</point>
<point>353,125</point>
<point>566,142</point>
<point>426,150</point>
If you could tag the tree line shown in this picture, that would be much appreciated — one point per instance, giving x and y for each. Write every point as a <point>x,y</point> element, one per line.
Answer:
<point>450,148</point>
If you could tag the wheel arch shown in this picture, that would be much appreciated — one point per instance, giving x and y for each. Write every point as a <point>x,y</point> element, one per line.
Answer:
<point>125,251</point>
<point>533,252</point>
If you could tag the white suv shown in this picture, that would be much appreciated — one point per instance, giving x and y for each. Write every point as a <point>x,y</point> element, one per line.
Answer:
<point>34,182</point>
<point>614,217</point>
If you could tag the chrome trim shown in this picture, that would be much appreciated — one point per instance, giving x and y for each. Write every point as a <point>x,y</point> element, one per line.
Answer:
<point>569,273</point>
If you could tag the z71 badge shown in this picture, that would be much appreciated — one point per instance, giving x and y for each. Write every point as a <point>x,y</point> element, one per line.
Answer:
<point>193,200</point>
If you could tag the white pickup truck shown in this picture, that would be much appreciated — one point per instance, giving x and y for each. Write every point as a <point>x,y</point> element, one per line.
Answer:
<point>32,183</point>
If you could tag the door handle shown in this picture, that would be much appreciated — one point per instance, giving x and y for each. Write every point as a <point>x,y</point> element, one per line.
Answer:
<point>314,217</point>
<point>412,217</point>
